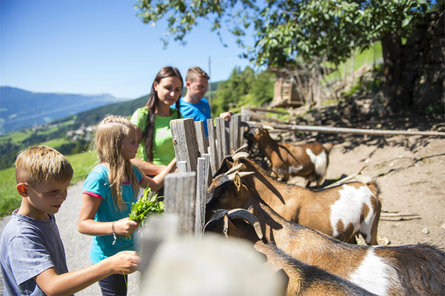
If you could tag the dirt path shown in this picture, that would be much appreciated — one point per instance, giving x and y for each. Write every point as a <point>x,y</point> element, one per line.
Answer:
<point>410,172</point>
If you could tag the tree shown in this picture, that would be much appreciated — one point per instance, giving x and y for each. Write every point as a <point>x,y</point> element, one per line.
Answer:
<point>309,29</point>
<point>259,87</point>
<point>229,92</point>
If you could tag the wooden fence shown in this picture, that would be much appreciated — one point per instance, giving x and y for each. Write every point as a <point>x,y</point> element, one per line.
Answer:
<point>198,158</point>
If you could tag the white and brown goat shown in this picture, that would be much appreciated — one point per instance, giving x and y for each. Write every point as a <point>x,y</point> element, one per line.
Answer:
<point>307,280</point>
<point>341,212</point>
<point>309,161</point>
<point>382,270</point>
<point>300,278</point>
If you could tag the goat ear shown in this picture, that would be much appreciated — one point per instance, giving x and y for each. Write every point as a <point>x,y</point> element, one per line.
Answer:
<point>237,182</point>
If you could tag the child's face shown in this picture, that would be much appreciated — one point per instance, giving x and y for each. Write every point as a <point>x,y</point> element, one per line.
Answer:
<point>130,145</point>
<point>168,90</point>
<point>44,198</point>
<point>198,87</point>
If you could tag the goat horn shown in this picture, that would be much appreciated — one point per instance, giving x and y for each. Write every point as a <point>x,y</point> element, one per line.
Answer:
<point>226,226</point>
<point>247,216</point>
<point>239,155</point>
<point>240,149</point>
<point>232,169</point>
<point>231,177</point>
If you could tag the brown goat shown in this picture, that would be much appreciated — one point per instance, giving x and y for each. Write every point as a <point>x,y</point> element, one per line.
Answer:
<point>341,212</point>
<point>307,280</point>
<point>383,270</point>
<point>301,279</point>
<point>309,160</point>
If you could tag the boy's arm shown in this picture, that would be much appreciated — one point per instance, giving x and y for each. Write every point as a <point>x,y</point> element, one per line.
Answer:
<point>51,283</point>
<point>157,182</point>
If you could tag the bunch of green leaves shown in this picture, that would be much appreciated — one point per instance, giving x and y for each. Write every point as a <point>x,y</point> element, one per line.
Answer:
<point>149,203</point>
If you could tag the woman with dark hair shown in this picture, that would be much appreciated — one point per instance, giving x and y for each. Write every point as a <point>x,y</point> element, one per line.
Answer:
<point>156,149</point>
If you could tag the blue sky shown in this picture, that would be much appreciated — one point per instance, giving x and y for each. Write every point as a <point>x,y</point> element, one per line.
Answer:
<point>98,46</point>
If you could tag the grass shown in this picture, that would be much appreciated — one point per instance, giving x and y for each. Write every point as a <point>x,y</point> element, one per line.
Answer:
<point>56,142</point>
<point>16,137</point>
<point>82,164</point>
<point>367,56</point>
<point>10,199</point>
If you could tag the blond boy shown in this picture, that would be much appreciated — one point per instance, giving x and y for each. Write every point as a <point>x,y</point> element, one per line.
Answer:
<point>32,254</point>
<point>193,104</point>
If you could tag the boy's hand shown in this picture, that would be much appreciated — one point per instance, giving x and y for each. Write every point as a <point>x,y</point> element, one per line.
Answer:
<point>125,226</point>
<point>124,262</point>
<point>226,115</point>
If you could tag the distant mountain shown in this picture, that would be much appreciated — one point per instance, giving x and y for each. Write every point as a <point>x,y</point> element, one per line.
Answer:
<point>60,129</point>
<point>21,109</point>
<point>94,116</point>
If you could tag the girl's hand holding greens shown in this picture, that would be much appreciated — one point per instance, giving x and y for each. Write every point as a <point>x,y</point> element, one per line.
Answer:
<point>146,205</point>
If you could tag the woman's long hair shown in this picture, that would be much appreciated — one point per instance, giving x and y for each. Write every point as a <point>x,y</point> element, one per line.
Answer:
<point>152,104</point>
<point>110,134</point>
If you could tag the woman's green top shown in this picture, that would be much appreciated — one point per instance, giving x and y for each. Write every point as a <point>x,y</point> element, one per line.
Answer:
<point>163,150</point>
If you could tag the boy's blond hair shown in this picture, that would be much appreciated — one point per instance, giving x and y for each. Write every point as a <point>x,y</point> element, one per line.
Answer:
<point>110,134</point>
<point>194,72</point>
<point>42,164</point>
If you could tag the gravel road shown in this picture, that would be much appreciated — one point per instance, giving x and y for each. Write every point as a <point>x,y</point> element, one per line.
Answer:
<point>77,245</point>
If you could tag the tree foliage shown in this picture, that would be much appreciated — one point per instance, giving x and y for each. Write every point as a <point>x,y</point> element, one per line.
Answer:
<point>241,83</point>
<point>287,33</point>
<point>283,29</point>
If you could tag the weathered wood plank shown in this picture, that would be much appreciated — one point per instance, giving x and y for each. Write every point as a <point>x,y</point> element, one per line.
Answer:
<point>201,189</point>
<point>180,192</point>
<point>202,140</point>
<point>344,130</point>
<point>182,166</point>
<point>218,141</point>
<point>184,142</point>
<point>235,132</point>
<point>214,159</point>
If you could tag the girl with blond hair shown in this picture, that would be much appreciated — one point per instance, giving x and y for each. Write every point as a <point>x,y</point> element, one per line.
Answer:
<point>108,192</point>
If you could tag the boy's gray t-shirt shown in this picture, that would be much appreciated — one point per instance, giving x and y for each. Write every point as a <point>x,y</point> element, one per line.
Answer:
<point>29,247</point>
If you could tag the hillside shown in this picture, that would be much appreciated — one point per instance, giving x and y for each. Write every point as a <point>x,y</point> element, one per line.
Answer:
<point>21,109</point>
<point>69,135</point>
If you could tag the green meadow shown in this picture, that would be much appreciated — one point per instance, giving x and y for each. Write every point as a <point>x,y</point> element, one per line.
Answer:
<point>82,164</point>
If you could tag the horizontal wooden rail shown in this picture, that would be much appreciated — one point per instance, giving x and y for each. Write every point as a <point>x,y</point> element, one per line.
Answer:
<point>268,110</point>
<point>344,130</point>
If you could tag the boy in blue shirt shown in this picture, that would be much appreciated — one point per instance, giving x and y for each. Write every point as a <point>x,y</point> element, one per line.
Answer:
<point>193,104</point>
<point>32,254</point>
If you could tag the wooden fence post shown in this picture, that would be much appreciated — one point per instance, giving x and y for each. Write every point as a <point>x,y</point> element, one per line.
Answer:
<point>214,159</point>
<point>180,197</point>
<point>202,178</point>
<point>235,132</point>
<point>245,114</point>
<point>182,166</point>
<point>222,139</point>
<point>218,141</point>
<point>157,229</point>
<point>184,142</point>
<point>202,140</point>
